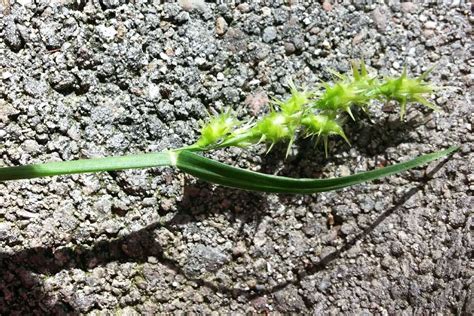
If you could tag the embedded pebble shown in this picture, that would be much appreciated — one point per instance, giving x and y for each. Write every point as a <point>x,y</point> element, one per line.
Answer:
<point>269,34</point>
<point>221,26</point>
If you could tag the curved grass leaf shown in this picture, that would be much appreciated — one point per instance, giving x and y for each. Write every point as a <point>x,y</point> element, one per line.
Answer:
<point>219,173</point>
<point>212,171</point>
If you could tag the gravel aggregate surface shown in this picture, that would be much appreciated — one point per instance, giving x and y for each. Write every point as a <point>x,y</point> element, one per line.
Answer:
<point>83,79</point>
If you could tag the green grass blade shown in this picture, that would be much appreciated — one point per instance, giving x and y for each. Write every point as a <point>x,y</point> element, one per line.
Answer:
<point>219,173</point>
<point>86,165</point>
<point>212,171</point>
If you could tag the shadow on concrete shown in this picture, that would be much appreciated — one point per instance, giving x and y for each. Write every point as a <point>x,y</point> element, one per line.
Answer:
<point>19,282</point>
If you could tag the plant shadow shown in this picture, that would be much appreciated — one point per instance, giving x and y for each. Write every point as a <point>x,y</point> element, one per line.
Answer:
<point>313,268</point>
<point>19,272</point>
<point>19,280</point>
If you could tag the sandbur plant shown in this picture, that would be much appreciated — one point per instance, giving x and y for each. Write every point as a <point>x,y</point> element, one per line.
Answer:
<point>319,114</point>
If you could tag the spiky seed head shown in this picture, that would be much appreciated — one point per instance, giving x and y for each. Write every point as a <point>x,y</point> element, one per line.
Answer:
<point>323,118</point>
<point>349,91</point>
<point>216,129</point>
<point>404,90</point>
<point>323,125</point>
<point>359,71</point>
<point>340,97</point>
<point>363,83</point>
<point>274,127</point>
<point>296,102</point>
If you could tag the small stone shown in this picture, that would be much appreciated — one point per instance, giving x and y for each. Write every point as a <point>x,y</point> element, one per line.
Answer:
<point>314,30</point>
<point>110,4</point>
<point>457,218</point>
<point>326,44</point>
<point>269,34</point>
<point>288,300</point>
<point>367,204</point>
<point>396,249</point>
<point>388,107</point>
<point>428,34</point>
<point>12,36</point>
<point>426,266</point>
<point>344,171</point>
<point>221,26</point>
<point>103,205</point>
<point>25,2</point>
<point>468,80</point>
<point>106,32</point>
<point>239,249</point>
<point>35,88</point>
<point>190,5</point>
<point>82,302</point>
<point>153,92</point>
<point>200,61</point>
<point>307,21</point>
<point>324,284</point>
<point>327,6</point>
<point>260,304</point>
<point>26,214</point>
<point>289,48</point>
<point>379,15</point>
<point>243,7</point>
<point>5,229</point>
<point>469,305</point>
<point>151,201</point>
<point>50,36</point>
<point>359,37</point>
<point>183,17</point>
<point>63,82</point>
<point>6,75</point>
<point>203,258</point>
<point>129,311</point>
<point>166,204</point>
<point>266,11</point>
<point>31,146</point>
<point>112,227</point>
<point>164,56</point>
<point>348,228</point>
<point>7,111</point>
<point>256,101</point>
<point>430,25</point>
<point>408,7</point>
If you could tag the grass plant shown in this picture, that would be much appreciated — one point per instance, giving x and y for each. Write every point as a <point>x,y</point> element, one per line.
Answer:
<point>318,114</point>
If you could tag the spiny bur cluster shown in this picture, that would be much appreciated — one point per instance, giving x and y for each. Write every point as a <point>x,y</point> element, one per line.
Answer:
<point>319,113</point>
